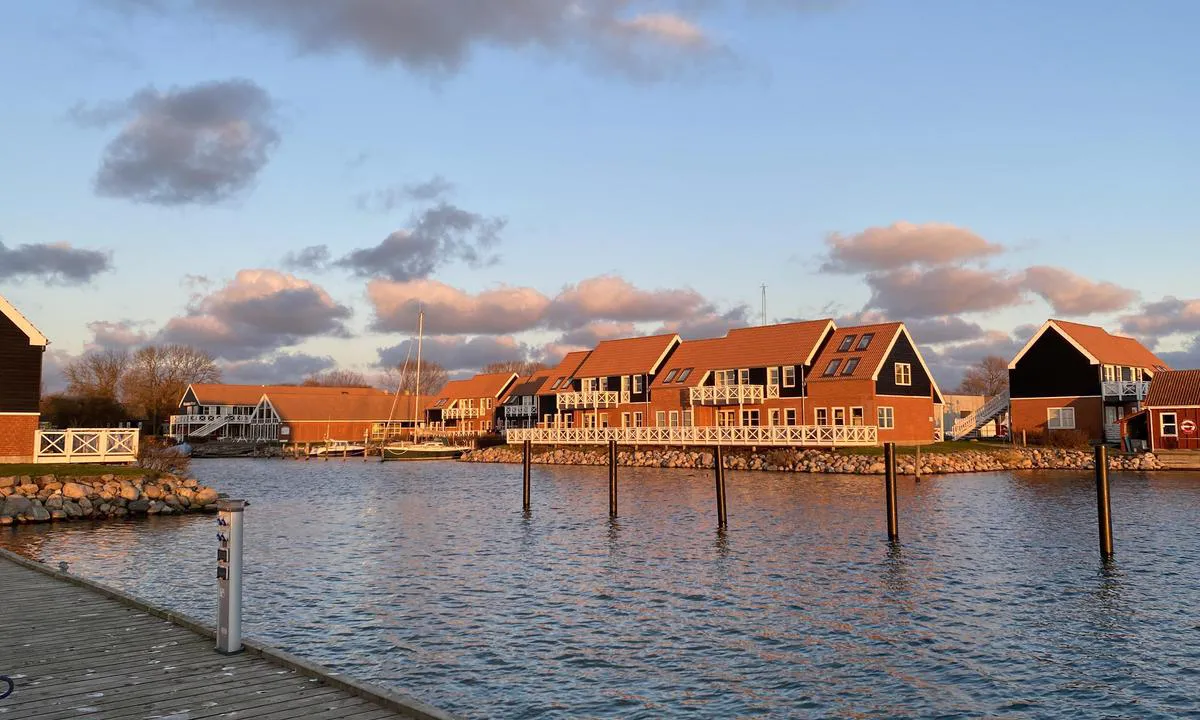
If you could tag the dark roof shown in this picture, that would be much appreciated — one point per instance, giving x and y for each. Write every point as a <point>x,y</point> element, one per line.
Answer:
<point>529,385</point>
<point>1174,388</point>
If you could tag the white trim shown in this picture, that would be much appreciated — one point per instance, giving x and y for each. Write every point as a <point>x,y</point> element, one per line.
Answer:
<point>920,358</point>
<point>16,414</point>
<point>830,327</point>
<point>675,341</point>
<point>36,338</point>
<point>1161,422</point>
<point>1056,397</point>
<point>1042,331</point>
<point>1061,413</point>
<point>892,416</point>
<point>1168,408</point>
<point>888,351</point>
<point>907,382</point>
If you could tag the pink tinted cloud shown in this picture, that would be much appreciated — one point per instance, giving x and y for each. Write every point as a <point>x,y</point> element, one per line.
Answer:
<point>903,244</point>
<point>1071,294</point>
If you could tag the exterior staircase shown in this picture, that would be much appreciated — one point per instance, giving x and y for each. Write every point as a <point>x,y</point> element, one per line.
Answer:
<point>212,426</point>
<point>964,426</point>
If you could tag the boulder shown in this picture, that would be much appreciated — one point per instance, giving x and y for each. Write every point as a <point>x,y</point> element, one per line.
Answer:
<point>152,491</point>
<point>54,502</point>
<point>75,491</point>
<point>37,513</point>
<point>7,482</point>
<point>6,520</point>
<point>58,514</point>
<point>205,496</point>
<point>28,489</point>
<point>139,507</point>
<point>52,485</point>
<point>129,492</point>
<point>16,505</point>
<point>72,510</point>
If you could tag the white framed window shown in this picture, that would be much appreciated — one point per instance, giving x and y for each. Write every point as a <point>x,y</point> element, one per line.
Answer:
<point>789,416</point>
<point>689,418</point>
<point>839,416</point>
<point>637,419</point>
<point>1110,373</point>
<point>624,419</point>
<point>832,368</point>
<point>887,418</point>
<point>750,417</point>
<point>726,418</point>
<point>744,376</point>
<point>660,418</point>
<point>772,417</point>
<point>637,383</point>
<point>683,375</point>
<point>822,415</point>
<point>772,376</point>
<point>847,343</point>
<point>725,377</point>
<point>603,383</point>
<point>674,418</point>
<point>604,420</point>
<point>1060,418</point>
<point>789,376</point>
<point>903,374</point>
<point>1168,424</point>
<point>865,341</point>
<point>588,384</point>
<point>670,375</point>
<point>856,416</point>
<point>487,403</point>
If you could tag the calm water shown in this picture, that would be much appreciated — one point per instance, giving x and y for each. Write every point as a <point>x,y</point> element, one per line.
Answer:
<point>429,579</point>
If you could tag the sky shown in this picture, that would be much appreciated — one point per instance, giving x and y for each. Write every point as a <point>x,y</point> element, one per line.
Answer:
<point>281,182</point>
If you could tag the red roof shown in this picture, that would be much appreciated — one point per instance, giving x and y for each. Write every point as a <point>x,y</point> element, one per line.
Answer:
<point>628,356</point>
<point>1109,349</point>
<point>764,346</point>
<point>218,394</point>
<point>481,386</point>
<point>565,369</point>
<point>301,407</point>
<point>1174,388</point>
<point>869,358</point>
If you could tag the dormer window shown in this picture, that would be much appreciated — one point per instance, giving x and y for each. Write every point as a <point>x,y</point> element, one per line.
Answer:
<point>683,375</point>
<point>557,383</point>
<point>832,368</point>
<point>670,375</point>
<point>847,343</point>
<point>851,364</point>
<point>864,341</point>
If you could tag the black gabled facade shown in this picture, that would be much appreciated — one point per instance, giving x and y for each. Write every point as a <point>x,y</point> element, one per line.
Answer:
<point>1053,367</point>
<point>903,352</point>
<point>20,370</point>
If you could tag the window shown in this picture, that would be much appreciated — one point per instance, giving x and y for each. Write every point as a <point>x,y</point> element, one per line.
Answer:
<point>674,418</point>
<point>1126,374</point>
<point>637,384</point>
<point>865,341</point>
<point>603,383</point>
<point>851,364</point>
<point>604,420</point>
<point>726,418</point>
<point>557,383</point>
<point>441,402</point>
<point>789,376</point>
<point>744,376</point>
<point>1169,423</point>
<point>773,376</point>
<point>903,374</point>
<point>683,375</point>
<point>887,418</point>
<point>689,418</point>
<point>832,368</point>
<point>670,375</point>
<point>856,416</point>
<point>725,377</point>
<point>839,416</point>
<point>660,418</point>
<point>822,416</point>
<point>624,419</point>
<point>637,419</point>
<point>487,403</point>
<point>588,384</point>
<point>1110,373</point>
<point>1060,418</point>
<point>789,416</point>
<point>750,417</point>
<point>772,417</point>
<point>847,343</point>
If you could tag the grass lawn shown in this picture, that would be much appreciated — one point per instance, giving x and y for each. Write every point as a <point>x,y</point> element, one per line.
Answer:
<point>950,446</point>
<point>65,470</point>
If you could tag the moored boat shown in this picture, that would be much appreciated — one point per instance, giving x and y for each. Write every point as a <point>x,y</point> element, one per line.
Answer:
<point>421,451</point>
<point>338,449</point>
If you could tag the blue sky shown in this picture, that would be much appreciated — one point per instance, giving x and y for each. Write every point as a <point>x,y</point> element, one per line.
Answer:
<point>681,153</point>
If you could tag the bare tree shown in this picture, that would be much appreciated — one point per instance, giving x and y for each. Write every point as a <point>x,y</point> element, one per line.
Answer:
<point>520,367</point>
<point>989,377</point>
<point>404,380</point>
<point>158,375</point>
<point>96,374</point>
<point>336,378</point>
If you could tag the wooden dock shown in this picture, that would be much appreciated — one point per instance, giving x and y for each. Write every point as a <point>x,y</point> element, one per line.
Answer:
<point>78,649</point>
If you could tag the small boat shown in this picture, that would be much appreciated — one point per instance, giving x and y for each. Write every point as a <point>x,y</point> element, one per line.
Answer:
<point>421,451</point>
<point>338,449</point>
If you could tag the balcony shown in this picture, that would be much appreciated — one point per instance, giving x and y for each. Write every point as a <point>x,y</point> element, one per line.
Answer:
<point>727,395</point>
<point>775,435</point>
<point>520,410</point>
<point>461,413</point>
<point>1125,389</point>
<point>588,399</point>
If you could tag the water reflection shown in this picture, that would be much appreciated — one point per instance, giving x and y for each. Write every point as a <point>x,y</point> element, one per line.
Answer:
<point>431,579</point>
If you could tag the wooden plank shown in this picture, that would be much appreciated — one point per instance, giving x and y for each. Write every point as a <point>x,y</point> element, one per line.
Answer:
<point>75,652</point>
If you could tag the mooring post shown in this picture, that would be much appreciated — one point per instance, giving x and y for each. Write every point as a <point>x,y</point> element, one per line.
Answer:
<point>1103,509</point>
<point>719,475</point>
<point>526,462</point>
<point>917,464</point>
<point>612,478</point>
<point>889,487</point>
<point>229,575</point>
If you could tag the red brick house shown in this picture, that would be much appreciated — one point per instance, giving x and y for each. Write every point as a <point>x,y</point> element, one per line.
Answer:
<point>558,378</point>
<point>1076,377</point>
<point>21,350</point>
<point>469,405</point>
<point>874,375</point>
<point>612,384</point>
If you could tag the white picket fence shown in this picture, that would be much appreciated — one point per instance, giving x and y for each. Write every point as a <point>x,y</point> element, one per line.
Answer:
<point>87,446</point>
<point>779,435</point>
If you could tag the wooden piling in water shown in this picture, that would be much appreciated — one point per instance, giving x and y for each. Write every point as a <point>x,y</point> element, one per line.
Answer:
<point>889,488</point>
<point>719,476</point>
<point>526,463</point>
<point>1103,508</point>
<point>612,478</point>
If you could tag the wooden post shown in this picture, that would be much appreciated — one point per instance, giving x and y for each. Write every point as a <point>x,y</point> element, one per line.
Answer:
<point>612,478</point>
<point>917,464</point>
<point>526,462</point>
<point>889,487</point>
<point>1023,442</point>
<point>719,475</point>
<point>1103,509</point>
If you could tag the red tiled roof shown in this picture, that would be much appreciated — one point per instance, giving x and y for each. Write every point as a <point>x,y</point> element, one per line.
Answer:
<point>628,356</point>
<point>1174,388</point>
<point>565,369</point>
<point>763,346</point>
<point>480,386</point>
<point>1110,349</point>
<point>218,394</point>
<point>302,407</point>
<point>869,358</point>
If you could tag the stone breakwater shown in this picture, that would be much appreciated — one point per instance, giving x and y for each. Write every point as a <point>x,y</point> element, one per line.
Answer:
<point>825,461</point>
<point>49,498</point>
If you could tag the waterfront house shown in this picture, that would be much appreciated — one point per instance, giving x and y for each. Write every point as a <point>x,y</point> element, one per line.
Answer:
<point>752,376</point>
<point>958,407</point>
<point>468,406</point>
<point>1081,378</point>
<point>292,415</point>
<point>21,350</point>
<point>217,411</point>
<point>611,387</point>
<point>558,378</point>
<point>1170,418</point>
<point>874,375</point>
<point>520,407</point>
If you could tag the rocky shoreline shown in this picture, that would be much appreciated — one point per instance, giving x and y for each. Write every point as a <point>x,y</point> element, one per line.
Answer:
<point>824,461</point>
<point>25,499</point>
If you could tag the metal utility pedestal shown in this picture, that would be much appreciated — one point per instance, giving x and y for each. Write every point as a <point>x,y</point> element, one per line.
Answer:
<point>229,575</point>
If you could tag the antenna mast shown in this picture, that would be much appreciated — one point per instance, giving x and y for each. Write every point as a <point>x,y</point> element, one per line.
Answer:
<point>764,304</point>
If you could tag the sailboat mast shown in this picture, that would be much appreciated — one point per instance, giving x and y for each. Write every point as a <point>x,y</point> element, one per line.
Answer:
<point>417,389</point>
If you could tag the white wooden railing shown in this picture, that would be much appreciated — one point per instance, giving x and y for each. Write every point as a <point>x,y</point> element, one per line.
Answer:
<point>87,446</point>
<point>785,435</point>
<point>520,410</point>
<point>964,426</point>
<point>1125,389</point>
<point>592,399</point>
<point>461,413</point>
<point>727,394</point>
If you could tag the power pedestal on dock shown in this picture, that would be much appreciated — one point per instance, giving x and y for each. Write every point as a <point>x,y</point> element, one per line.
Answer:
<point>229,575</point>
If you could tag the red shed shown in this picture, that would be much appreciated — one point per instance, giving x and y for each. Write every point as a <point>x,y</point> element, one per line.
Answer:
<point>1173,409</point>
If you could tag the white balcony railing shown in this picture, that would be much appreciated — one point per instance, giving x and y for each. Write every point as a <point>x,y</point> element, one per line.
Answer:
<point>778,435</point>
<point>520,410</point>
<point>1125,389</point>
<point>461,413</point>
<point>591,399</point>
<point>87,446</point>
<point>727,395</point>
